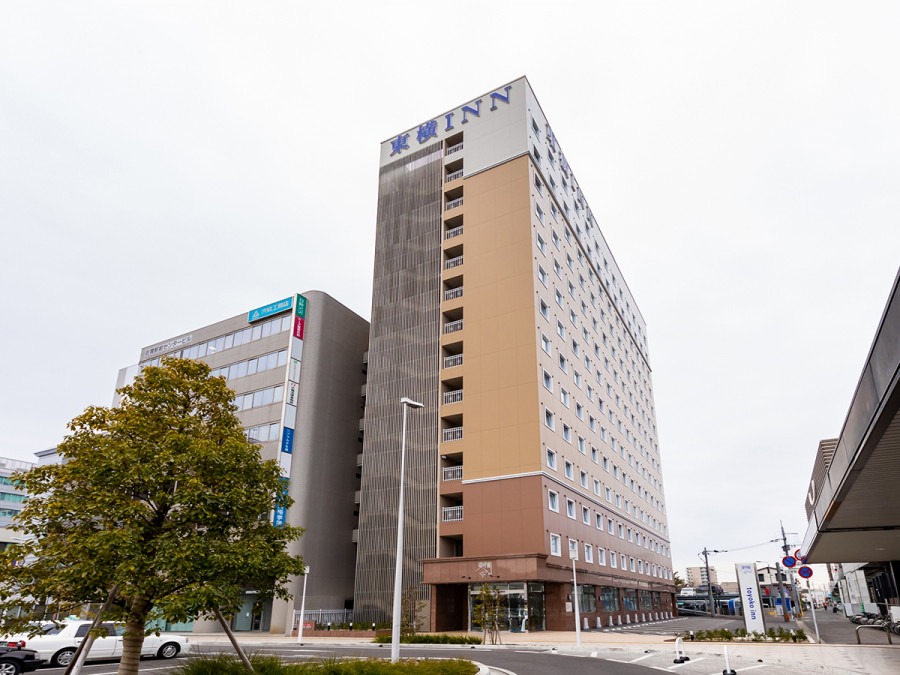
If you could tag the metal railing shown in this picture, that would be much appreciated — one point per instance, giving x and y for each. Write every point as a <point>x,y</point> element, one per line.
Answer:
<point>453,360</point>
<point>323,617</point>
<point>453,203</point>
<point>453,434</point>
<point>453,326</point>
<point>451,514</point>
<point>454,175</point>
<point>453,396</point>
<point>453,262</point>
<point>455,232</point>
<point>453,472</point>
<point>452,294</point>
<point>453,149</point>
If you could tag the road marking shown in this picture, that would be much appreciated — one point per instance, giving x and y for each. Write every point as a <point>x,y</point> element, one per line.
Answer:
<point>641,658</point>
<point>677,665</point>
<point>741,670</point>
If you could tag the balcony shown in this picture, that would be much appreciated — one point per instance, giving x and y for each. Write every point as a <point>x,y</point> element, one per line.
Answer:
<point>453,149</point>
<point>453,176</point>
<point>451,514</point>
<point>455,232</point>
<point>451,327</point>
<point>453,473</point>
<point>452,434</point>
<point>453,396</point>
<point>453,360</point>
<point>452,294</point>
<point>453,262</point>
<point>453,203</point>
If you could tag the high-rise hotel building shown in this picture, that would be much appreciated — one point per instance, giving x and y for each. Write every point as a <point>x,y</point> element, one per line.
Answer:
<point>499,306</point>
<point>296,366</point>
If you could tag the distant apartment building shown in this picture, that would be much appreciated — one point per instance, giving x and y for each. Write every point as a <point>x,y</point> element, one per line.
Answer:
<point>696,576</point>
<point>297,368</point>
<point>498,304</point>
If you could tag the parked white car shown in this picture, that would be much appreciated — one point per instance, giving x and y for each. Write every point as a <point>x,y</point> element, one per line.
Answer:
<point>57,644</point>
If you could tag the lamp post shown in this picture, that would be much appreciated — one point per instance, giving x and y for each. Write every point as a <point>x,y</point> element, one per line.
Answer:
<point>405,403</point>
<point>302,606</point>
<point>573,556</point>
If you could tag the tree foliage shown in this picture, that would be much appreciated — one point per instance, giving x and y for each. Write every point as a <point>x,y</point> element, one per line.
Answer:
<point>162,498</point>
<point>489,612</point>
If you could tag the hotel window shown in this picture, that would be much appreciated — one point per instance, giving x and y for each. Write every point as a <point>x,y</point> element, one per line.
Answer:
<point>539,186</point>
<point>579,412</point>
<point>551,459</point>
<point>567,433</point>
<point>570,509</point>
<point>595,455</point>
<point>558,297</point>
<point>548,381</point>
<point>582,446</point>
<point>555,545</point>
<point>584,479</point>
<point>596,487</point>
<point>539,212</point>
<point>613,562</point>
<point>560,329</point>
<point>563,363</point>
<point>599,519</point>
<point>601,556</point>
<point>570,470</point>
<point>553,501</point>
<point>542,275</point>
<point>631,564</point>
<point>621,530</point>
<point>542,245</point>
<point>549,419</point>
<point>585,515</point>
<point>588,553</point>
<point>610,526</point>
<point>545,309</point>
<point>578,379</point>
<point>546,344</point>
<point>608,494</point>
<point>557,269</point>
<point>576,348</point>
<point>640,564</point>
<point>564,397</point>
<point>573,319</point>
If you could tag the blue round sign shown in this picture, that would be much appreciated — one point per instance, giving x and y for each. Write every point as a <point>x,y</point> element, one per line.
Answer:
<point>788,561</point>
<point>805,572</point>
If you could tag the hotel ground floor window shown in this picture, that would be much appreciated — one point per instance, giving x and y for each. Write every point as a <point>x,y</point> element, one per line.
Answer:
<point>609,599</point>
<point>522,606</point>
<point>629,599</point>
<point>646,603</point>
<point>656,600</point>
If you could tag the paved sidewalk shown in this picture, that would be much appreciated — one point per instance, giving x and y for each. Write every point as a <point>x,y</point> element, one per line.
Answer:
<point>780,659</point>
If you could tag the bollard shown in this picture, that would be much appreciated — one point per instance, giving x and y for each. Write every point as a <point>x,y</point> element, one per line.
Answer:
<point>611,624</point>
<point>373,626</point>
<point>599,623</point>
<point>351,625</point>
<point>692,635</point>
<point>620,619</point>
<point>628,618</point>
<point>585,625</point>
<point>680,656</point>
<point>793,635</point>
<point>728,669</point>
<point>329,625</point>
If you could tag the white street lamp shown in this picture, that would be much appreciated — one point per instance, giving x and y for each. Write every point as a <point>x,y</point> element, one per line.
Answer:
<point>398,567</point>
<point>302,607</point>
<point>573,556</point>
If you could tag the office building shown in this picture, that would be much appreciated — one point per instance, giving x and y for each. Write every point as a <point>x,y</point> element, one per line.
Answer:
<point>498,304</point>
<point>852,501</point>
<point>296,366</point>
<point>12,498</point>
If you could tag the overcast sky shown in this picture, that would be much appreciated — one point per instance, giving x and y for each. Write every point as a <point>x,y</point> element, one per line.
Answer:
<point>165,165</point>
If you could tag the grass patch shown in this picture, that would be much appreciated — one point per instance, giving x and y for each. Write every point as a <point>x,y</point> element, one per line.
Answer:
<point>228,664</point>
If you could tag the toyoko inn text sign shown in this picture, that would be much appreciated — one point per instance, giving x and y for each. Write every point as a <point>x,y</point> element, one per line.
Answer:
<point>751,602</point>
<point>462,115</point>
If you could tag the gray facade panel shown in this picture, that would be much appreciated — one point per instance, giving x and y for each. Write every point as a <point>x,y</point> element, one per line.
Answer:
<point>403,361</point>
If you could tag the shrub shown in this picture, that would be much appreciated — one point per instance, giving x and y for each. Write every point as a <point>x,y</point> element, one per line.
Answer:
<point>227,664</point>
<point>433,639</point>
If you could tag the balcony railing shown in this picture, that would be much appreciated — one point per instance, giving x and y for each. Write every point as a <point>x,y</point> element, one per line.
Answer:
<point>451,514</point>
<point>452,294</point>
<point>453,149</point>
<point>455,232</point>
<point>453,472</point>
<point>454,175</point>
<point>452,327</point>
<point>453,203</point>
<point>453,396</point>
<point>453,262</point>
<point>453,434</point>
<point>453,360</point>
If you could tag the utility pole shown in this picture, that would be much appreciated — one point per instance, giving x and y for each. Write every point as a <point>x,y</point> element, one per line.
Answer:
<point>784,607</point>
<point>795,596</point>
<point>709,595</point>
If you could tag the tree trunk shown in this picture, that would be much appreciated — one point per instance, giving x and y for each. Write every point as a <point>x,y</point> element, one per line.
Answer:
<point>133,640</point>
<point>234,642</point>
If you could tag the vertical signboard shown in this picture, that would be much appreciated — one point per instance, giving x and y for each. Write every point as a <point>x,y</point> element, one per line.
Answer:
<point>292,398</point>
<point>748,586</point>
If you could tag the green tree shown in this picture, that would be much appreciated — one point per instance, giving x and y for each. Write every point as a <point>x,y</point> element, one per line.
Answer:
<point>161,506</point>
<point>679,582</point>
<point>489,611</point>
